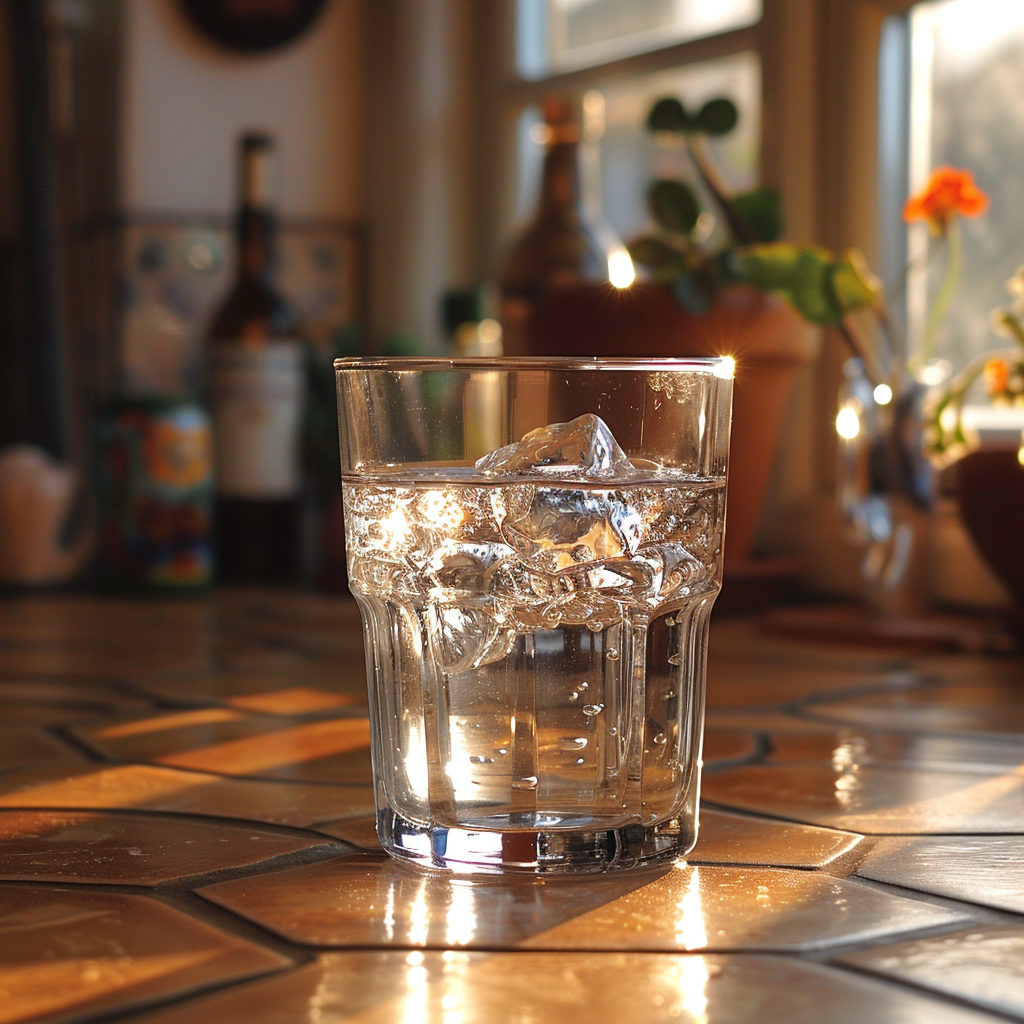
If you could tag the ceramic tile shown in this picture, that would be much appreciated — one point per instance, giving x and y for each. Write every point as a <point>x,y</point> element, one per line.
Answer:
<point>873,798</point>
<point>727,746</point>
<point>982,965</point>
<point>977,869</point>
<point>66,949</point>
<point>154,788</point>
<point>26,745</point>
<point>299,686</point>
<point>849,745</point>
<point>737,839</point>
<point>982,707</point>
<point>723,839</point>
<point>548,988</point>
<point>365,900</point>
<point>230,742</point>
<point>737,684</point>
<point>53,702</point>
<point>129,849</point>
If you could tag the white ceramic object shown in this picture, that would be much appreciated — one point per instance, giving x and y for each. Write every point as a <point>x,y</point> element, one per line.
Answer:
<point>36,493</point>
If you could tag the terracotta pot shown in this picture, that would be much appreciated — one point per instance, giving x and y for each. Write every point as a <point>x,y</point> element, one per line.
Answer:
<point>990,491</point>
<point>766,337</point>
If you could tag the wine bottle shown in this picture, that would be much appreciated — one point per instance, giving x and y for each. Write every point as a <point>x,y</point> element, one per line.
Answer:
<point>255,362</point>
<point>566,259</point>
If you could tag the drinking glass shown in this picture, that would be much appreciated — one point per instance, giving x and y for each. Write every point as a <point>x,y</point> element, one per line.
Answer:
<point>535,546</point>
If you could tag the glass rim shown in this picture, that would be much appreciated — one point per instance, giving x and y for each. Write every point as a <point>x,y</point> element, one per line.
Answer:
<point>419,364</point>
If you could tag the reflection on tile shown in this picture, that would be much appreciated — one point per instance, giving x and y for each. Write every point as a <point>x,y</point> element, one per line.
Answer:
<point>148,787</point>
<point>978,869</point>
<point>874,799</point>
<point>735,839</point>
<point>365,900</point>
<point>988,707</point>
<point>543,988</point>
<point>724,839</point>
<point>765,721</point>
<point>727,746</point>
<point>228,741</point>
<point>64,949</point>
<point>298,686</point>
<point>128,849</point>
<point>983,965</point>
<point>852,745</point>
<point>24,745</point>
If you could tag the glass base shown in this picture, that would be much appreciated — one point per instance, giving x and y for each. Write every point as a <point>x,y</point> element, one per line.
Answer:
<point>563,851</point>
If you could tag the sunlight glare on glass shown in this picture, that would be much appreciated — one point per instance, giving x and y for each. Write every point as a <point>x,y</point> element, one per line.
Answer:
<point>725,368</point>
<point>848,423</point>
<point>620,269</point>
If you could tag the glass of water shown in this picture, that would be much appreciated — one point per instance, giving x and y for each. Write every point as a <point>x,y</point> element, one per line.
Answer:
<point>535,546</point>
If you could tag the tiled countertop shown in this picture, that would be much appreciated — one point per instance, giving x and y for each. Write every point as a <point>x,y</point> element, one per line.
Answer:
<point>186,835</point>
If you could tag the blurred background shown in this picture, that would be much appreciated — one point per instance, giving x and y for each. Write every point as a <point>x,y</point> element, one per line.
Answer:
<point>181,179</point>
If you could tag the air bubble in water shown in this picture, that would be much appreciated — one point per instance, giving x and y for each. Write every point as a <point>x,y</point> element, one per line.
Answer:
<point>572,742</point>
<point>479,759</point>
<point>526,782</point>
<point>584,685</point>
<point>670,620</point>
<point>675,659</point>
<point>590,710</point>
<point>501,750</point>
<point>574,695</point>
<point>579,760</point>
<point>613,731</point>
<point>596,626</point>
<point>660,739</point>
<point>612,655</point>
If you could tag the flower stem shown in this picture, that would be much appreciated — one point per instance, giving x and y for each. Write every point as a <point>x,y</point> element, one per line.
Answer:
<point>954,261</point>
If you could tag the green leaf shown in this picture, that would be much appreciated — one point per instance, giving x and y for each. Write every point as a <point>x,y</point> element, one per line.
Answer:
<point>653,253</point>
<point>761,210</point>
<point>716,117</point>
<point>673,205</point>
<point>668,115</point>
<point>803,275</point>
<point>853,284</point>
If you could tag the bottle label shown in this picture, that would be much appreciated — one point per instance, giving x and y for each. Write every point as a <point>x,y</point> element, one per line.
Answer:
<point>256,399</point>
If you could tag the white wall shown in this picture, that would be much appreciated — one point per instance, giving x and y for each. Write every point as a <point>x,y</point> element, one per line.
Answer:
<point>185,101</point>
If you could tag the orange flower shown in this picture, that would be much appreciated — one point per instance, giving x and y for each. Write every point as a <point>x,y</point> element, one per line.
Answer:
<point>997,376</point>
<point>949,191</point>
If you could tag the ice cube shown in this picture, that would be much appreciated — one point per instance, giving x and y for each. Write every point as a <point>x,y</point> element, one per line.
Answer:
<point>553,528</point>
<point>582,449</point>
<point>467,637</point>
<point>472,567</point>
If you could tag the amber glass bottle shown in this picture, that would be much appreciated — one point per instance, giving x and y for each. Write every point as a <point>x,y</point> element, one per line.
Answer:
<point>255,387</point>
<point>560,259</point>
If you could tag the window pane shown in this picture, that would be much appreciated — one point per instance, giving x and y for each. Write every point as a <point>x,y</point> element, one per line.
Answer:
<point>581,33</point>
<point>630,157</point>
<point>967,110</point>
<point>618,169</point>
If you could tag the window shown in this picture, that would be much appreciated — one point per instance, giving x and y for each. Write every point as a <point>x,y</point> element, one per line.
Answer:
<point>619,157</point>
<point>562,35</point>
<point>965,101</point>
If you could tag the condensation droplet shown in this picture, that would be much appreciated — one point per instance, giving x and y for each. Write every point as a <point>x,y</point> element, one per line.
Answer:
<point>526,782</point>
<point>579,760</point>
<point>574,695</point>
<point>501,750</point>
<point>675,659</point>
<point>572,742</point>
<point>592,709</point>
<point>584,685</point>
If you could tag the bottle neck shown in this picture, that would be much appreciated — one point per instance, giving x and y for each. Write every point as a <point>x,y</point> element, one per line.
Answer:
<point>255,234</point>
<point>560,193</point>
<point>255,227</point>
